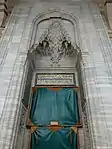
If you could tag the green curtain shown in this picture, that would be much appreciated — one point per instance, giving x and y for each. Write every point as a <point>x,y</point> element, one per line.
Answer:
<point>47,106</point>
<point>50,106</point>
<point>44,138</point>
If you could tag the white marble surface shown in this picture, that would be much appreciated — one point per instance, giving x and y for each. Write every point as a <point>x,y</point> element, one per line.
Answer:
<point>96,68</point>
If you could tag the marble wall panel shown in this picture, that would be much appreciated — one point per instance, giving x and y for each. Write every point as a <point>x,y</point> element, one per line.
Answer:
<point>96,68</point>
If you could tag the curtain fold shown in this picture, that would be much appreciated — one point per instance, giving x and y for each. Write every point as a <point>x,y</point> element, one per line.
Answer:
<point>61,106</point>
<point>44,138</point>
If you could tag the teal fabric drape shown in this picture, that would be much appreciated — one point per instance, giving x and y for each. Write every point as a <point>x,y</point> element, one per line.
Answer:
<point>61,106</point>
<point>43,138</point>
<point>58,106</point>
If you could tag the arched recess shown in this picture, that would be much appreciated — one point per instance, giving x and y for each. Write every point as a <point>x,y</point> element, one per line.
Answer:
<point>61,16</point>
<point>50,15</point>
<point>54,13</point>
<point>74,57</point>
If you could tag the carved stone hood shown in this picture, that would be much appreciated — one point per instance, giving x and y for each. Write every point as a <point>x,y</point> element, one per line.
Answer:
<point>54,43</point>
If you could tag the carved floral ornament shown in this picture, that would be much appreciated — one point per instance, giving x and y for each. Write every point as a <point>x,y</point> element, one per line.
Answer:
<point>55,43</point>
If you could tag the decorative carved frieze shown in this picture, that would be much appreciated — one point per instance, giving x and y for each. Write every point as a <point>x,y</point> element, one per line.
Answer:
<point>22,119</point>
<point>64,79</point>
<point>86,126</point>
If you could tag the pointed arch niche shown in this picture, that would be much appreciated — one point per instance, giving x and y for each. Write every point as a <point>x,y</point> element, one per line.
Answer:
<point>57,29</point>
<point>55,49</point>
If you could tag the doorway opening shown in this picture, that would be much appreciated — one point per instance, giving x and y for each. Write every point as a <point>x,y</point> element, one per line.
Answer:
<point>53,117</point>
<point>53,64</point>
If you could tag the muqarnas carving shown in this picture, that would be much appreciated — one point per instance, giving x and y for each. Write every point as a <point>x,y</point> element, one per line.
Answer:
<point>55,43</point>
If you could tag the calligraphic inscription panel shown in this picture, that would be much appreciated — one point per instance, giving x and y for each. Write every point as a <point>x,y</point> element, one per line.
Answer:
<point>66,79</point>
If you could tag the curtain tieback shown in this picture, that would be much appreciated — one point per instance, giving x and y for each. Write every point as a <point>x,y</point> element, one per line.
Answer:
<point>33,128</point>
<point>74,129</point>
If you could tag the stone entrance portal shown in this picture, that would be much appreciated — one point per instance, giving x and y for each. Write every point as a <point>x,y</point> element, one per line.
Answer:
<point>54,59</point>
<point>68,41</point>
